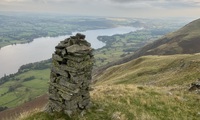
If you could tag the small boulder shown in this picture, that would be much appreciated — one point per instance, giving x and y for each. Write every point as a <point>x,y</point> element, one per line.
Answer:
<point>80,36</point>
<point>195,85</point>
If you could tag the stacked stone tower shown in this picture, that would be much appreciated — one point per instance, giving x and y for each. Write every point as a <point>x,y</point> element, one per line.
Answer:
<point>71,75</point>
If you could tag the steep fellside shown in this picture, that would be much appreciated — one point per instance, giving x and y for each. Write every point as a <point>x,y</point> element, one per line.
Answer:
<point>184,41</point>
<point>154,70</point>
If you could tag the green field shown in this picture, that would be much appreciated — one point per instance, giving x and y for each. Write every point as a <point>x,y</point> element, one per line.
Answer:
<point>14,93</point>
<point>119,46</point>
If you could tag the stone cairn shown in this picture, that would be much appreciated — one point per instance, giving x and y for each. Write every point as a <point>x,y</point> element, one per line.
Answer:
<point>71,76</point>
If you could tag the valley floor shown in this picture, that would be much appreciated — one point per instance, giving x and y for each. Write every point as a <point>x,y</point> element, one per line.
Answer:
<point>13,113</point>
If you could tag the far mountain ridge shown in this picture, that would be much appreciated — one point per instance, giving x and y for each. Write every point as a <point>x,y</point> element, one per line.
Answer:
<point>186,40</point>
<point>183,41</point>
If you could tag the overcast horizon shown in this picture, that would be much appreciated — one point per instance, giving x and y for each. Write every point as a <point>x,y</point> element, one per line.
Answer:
<point>111,8</point>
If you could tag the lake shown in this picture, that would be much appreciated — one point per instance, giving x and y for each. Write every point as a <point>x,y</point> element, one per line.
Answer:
<point>14,56</point>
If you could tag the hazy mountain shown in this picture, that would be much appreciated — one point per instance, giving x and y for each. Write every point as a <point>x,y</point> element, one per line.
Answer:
<point>183,41</point>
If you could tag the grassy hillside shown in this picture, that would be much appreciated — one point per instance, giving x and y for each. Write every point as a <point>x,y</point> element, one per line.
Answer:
<point>154,70</point>
<point>185,41</point>
<point>148,88</point>
<point>131,102</point>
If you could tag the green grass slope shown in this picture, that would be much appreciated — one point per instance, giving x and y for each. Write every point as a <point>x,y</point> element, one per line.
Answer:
<point>131,102</point>
<point>154,70</point>
<point>148,88</point>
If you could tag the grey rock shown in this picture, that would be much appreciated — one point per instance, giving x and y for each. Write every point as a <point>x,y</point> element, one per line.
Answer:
<point>195,86</point>
<point>58,51</point>
<point>80,106</point>
<point>67,68</point>
<point>55,106</point>
<point>68,112</point>
<point>56,57</point>
<point>65,96</point>
<point>84,42</point>
<point>80,65</point>
<point>59,71</point>
<point>80,36</point>
<point>85,102</point>
<point>60,46</point>
<point>63,52</point>
<point>64,82</point>
<point>66,40</point>
<point>77,59</point>
<point>89,105</point>
<point>55,63</point>
<point>54,96</point>
<point>52,90</point>
<point>65,89</point>
<point>78,48</point>
<point>71,76</point>
<point>83,113</point>
<point>71,105</point>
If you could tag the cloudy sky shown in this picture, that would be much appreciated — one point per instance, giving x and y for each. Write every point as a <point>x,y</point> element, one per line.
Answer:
<point>118,8</point>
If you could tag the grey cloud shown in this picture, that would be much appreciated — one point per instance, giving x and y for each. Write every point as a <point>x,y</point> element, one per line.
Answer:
<point>176,4</point>
<point>124,1</point>
<point>106,7</point>
<point>160,3</point>
<point>132,1</point>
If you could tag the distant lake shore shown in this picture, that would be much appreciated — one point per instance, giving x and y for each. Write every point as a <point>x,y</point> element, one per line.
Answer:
<point>14,56</point>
